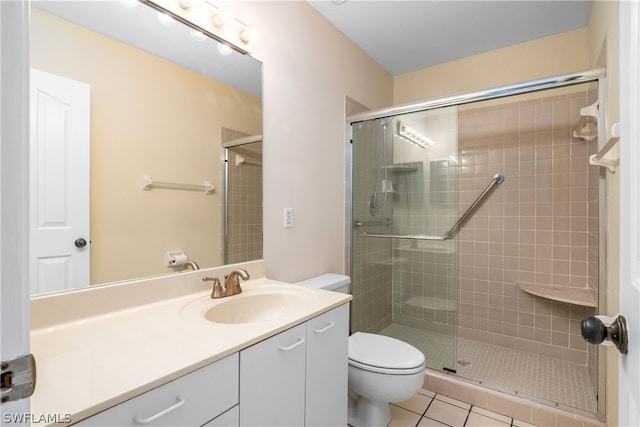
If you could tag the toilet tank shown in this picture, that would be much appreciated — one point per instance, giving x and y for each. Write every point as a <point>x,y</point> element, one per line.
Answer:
<point>328,281</point>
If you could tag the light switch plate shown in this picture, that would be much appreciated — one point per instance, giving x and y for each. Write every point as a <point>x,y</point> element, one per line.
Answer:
<point>288,217</point>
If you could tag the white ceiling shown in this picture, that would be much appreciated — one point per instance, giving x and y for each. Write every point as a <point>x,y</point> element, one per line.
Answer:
<point>407,35</point>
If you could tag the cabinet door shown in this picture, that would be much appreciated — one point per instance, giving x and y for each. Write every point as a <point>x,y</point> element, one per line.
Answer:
<point>272,380</point>
<point>326,388</point>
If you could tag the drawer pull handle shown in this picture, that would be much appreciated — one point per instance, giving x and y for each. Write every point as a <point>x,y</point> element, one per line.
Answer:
<point>292,346</point>
<point>329,326</point>
<point>152,418</point>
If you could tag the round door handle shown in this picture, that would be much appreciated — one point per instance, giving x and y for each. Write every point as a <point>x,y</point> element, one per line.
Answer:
<point>597,329</point>
<point>80,243</point>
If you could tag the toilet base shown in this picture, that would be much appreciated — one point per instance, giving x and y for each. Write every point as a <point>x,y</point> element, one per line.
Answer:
<point>363,412</point>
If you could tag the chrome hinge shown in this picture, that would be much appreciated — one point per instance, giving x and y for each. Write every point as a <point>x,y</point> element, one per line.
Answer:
<point>18,378</point>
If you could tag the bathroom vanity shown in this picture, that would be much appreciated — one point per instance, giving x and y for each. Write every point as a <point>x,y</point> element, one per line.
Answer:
<point>148,354</point>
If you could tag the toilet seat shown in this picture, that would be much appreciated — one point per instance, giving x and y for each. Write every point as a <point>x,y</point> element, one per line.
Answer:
<point>385,355</point>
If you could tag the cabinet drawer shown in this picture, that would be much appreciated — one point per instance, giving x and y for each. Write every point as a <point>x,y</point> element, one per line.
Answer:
<point>231,418</point>
<point>191,400</point>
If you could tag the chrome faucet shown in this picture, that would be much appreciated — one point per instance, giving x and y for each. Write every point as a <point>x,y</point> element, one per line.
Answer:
<point>231,283</point>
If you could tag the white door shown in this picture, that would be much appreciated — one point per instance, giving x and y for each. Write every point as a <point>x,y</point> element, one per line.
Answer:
<point>14,241</point>
<point>629,373</point>
<point>59,183</point>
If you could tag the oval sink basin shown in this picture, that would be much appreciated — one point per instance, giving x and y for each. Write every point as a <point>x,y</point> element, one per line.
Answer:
<point>253,308</point>
<point>257,303</point>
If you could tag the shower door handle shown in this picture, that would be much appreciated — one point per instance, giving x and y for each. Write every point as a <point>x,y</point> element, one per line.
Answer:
<point>597,329</point>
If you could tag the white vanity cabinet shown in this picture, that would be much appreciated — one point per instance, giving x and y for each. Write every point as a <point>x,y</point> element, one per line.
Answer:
<point>191,400</point>
<point>295,378</point>
<point>298,377</point>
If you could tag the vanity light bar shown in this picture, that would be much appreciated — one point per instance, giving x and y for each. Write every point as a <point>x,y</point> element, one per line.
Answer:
<point>410,134</point>
<point>205,17</point>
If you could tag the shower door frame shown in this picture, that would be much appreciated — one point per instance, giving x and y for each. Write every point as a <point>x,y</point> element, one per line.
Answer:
<point>563,80</point>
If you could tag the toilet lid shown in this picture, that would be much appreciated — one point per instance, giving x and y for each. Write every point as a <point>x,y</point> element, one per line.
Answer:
<point>379,351</point>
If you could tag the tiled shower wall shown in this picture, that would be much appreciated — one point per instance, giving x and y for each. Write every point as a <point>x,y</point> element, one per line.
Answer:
<point>539,226</point>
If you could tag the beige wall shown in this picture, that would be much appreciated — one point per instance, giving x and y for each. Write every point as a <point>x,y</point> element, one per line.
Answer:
<point>145,130</point>
<point>309,68</point>
<point>549,56</point>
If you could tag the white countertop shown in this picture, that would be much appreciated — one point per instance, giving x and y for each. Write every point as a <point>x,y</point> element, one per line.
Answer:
<point>90,363</point>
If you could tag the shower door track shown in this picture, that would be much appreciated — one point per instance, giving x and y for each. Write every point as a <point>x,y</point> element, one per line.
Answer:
<point>498,92</point>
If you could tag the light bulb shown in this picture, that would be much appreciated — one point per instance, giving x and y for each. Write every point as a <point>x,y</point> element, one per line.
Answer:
<point>248,35</point>
<point>165,19</point>
<point>186,4</point>
<point>219,19</point>
<point>224,49</point>
<point>197,35</point>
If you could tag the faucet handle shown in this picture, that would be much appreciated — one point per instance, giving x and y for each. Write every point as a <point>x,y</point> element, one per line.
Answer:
<point>232,281</point>
<point>218,290</point>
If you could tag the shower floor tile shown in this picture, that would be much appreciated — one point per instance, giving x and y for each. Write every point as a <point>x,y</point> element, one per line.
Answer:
<point>506,369</point>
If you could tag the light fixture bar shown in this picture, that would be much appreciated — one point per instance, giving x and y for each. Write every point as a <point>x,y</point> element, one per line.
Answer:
<point>410,134</point>
<point>205,17</point>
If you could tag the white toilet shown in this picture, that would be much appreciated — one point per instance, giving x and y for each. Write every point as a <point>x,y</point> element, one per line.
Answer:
<point>381,369</point>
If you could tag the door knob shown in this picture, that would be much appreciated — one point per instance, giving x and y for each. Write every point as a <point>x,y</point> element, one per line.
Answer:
<point>80,242</point>
<point>597,329</point>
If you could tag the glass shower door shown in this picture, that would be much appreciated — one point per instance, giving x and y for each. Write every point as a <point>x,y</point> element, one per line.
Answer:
<point>404,200</point>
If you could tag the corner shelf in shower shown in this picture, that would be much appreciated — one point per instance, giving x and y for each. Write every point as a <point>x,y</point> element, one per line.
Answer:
<point>588,128</point>
<point>401,168</point>
<point>566,294</point>
<point>603,157</point>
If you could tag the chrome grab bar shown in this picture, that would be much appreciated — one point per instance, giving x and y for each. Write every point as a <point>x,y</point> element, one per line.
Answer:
<point>497,179</point>
<point>385,222</point>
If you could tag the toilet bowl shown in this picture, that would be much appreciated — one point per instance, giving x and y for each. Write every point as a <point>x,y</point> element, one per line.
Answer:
<point>381,369</point>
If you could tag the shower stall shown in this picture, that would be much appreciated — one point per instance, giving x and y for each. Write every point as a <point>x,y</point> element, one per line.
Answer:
<point>475,224</point>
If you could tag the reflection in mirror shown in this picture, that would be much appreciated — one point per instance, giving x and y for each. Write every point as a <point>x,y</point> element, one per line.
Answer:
<point>243,199</point>
<point>117,95</point>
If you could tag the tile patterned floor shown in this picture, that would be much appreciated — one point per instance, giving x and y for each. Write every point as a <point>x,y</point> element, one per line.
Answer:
<point>427,409</point>
<point>545,378</point>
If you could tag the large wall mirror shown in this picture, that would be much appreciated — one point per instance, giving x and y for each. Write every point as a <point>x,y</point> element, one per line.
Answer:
<point>122,97</point>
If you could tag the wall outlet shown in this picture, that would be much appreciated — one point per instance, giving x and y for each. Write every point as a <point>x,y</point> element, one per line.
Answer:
<point>288,217</point>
